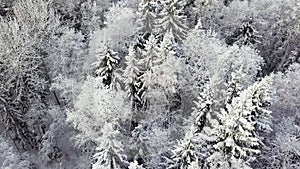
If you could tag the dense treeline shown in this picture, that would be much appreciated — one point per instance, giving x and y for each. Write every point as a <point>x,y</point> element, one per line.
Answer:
<point>178,84</point>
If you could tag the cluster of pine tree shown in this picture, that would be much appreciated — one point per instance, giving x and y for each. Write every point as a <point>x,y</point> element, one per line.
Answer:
<point>149,84</point>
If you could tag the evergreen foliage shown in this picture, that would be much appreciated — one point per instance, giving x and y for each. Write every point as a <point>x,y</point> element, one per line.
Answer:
<point>143,84</point>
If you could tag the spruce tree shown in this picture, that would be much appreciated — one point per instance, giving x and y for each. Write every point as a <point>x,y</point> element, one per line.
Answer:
<point>239,141</point>
<point>147,62</point>
<point>202,108</point>
<point>185,151</point>
<point>109,151</point>
<point>150,52</point>
<point>135,165</point>
<point>106,62</point>
<point>247,35</point>
<point>172,19</point>
<point>147,16</point>
<point>132,81</point>
<point>233,85</point>
<point>189,149</point>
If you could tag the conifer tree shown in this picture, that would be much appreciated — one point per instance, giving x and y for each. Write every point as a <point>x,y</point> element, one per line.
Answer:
<point>260,105</point>
<point>247,35</point>
<point>149,56</point>
<point>233,85</point>
<point>98,114</point>
<point>147,16</point>
<point>239,141</point>
<point>150,52</point>
<point>132,81</point>
<point>188,150</point>
<point>109,151</point>
<point>135,165</point>
<point>106,62</point>
<point>171,19</point>
<point>202,108</point>
<point>185,151</point>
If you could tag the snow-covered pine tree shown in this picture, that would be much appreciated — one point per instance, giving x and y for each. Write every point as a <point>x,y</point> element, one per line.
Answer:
<point>237,144</point>
<point>189,149</point>
<point>91,12</point>
<point>202,108</point>
<point>132,81</point>
<point>261,101</point>
<point>150,52</point>
<point>166,47</point>
<point>109,155</point>
<point>133,85</point>
<point>135,165</point>
<point>138,143</point>
<point>146,16</point>
<point>209,132</point>
<point>233,85</point>
<point>106,62</point>
<point>185,151</point>
<point>205,104</point>
<point>149,55</point>
<point>147,138</point>
<point>239,141</point>
<point>172,19</point>
<point>246,35</point>
<point>98,113</point>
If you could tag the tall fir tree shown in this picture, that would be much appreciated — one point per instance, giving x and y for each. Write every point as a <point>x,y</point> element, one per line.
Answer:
<point>239,141</point>
<point>188,150</point>
<point>233,86</point>
<point>135,165</point>
<point>149,55</point>
<point>202,107</point>
<point>98,114</point>
<point>132,81</point>
<point>172,19</point>
<point>147,16</point>
<point>150,52</point>
<point>106,62</point>
<point>185,151</point>
<point>109,151</point>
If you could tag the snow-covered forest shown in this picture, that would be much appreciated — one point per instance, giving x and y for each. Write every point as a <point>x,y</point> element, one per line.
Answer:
<point>150,84</point>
